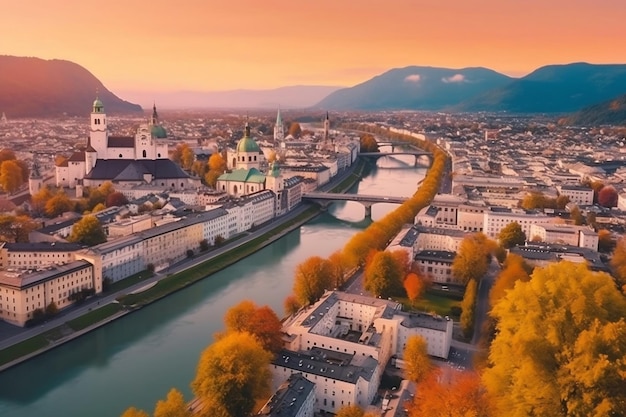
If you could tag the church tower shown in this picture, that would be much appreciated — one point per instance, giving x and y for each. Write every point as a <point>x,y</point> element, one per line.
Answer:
<point>279,128</point>
<point>248,152</point>
<point>326,130</point>
<point>35,181</point>
<point>98,135</point>
<point>91,156</point>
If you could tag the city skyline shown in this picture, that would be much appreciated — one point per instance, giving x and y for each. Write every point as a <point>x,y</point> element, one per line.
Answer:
<point>161,46</point>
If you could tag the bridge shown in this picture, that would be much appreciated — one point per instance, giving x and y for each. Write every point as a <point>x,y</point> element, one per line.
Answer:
<point>416,154</point>
<point>325,199</point>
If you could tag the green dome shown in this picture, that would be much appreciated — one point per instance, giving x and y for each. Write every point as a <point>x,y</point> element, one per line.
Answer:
<point>158,132</point>
<point>247,144</point>
<point>98,107</point>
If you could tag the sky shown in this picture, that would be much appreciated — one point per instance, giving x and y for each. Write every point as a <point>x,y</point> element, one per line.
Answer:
<point>208,45</point>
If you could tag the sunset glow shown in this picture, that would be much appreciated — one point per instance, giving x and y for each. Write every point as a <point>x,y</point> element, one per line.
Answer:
<point>163,45</point>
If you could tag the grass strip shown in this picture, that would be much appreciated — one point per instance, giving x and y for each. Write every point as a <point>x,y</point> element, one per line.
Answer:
<point>129,282</point>
<point>29,346</point>
<point>189,276</point>
<point>431,303</point>
<point>94,316</point>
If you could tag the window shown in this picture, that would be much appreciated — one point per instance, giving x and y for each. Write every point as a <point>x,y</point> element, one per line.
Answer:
<point>144,153</point>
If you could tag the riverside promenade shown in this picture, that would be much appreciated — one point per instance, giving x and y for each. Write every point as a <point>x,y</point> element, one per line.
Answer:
<point>12,335</point>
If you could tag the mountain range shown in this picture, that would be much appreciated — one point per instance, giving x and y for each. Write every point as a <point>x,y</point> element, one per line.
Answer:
<point>549,89</point>
<point>34,87</point>
<point>611,112</point>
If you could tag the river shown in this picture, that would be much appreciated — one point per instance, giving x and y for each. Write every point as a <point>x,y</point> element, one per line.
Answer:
<point>134,361</point>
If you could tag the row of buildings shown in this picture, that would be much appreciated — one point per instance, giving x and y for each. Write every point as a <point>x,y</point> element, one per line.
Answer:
<point>251,193</point>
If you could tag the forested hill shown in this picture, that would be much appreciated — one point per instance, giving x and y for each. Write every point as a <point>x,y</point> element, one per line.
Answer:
<point>33,87</point>
<point>612,112</point>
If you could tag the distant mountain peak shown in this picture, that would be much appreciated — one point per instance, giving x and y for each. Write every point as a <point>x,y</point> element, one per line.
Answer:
<point>34,87</point>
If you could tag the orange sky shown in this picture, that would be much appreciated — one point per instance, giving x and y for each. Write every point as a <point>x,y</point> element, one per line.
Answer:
<point>165,45</point>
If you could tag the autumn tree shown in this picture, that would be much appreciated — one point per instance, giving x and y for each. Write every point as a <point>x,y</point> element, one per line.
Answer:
<point>116,199</point>
<point>605,241</point>
<point>383,276</point>
<point>232,374</point>
<point>260,322</point>
<point>217,163</point>
<point>291,305</point>
<point>58,204</point>
<point>10,176</point>
<point>98,207</point>
<point>468,308</point>
<point>295,130</point>
<point>512,235</point>
<point>353,411</point>
<point>515,269</point>
<point>618,262</point>
<point>16,228</point>
<point>453,394</point>
<point>87,231</point>
<point>39,199</point>
<point>472,259</point>
<point>338,268</point>
<point>368,143</point>
<point>134,412</point>
<point>311,280</point>
<point>414,287</point>
<point>174,405</point>
<point>607,196</point>
<point>576,216</point>
<point>560,345</point>
<point>417,362</point>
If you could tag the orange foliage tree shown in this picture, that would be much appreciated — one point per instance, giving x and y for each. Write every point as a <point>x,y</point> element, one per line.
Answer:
<point>260,322</point>
<point>514,269</point>
<point>449,393</point>
<point>312,279</point>
<point>414,287</point>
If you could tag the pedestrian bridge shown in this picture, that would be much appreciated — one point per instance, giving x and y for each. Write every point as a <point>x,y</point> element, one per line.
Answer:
<point>326,199</point>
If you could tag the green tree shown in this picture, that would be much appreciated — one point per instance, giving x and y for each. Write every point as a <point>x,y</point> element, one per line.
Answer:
<point>512,235</point>
<point>560,345</point>
<point>416,359</point>
<point>232,374</point>
<point>468,308</point>
<point>174,405</point>
<point>311,280</point>
<point>260,322</point>
<point>472,258</point>
<point>10,176</point>
<point>384,275</point>
<point>88,231</point>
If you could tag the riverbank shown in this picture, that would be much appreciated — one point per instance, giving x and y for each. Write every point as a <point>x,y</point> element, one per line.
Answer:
<point>109,307</point>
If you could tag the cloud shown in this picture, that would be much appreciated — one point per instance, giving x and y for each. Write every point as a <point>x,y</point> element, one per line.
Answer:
<point>456,78</point>
<point>413,78</point>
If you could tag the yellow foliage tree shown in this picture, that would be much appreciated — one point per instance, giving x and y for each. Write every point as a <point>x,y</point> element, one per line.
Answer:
<point>560,345</point>
<point>58,204</point>
<point>353,411</point>
<point>87,231</point>
<point>10,176</point>
<point>134,412</point>
<point>313,277</point>
<point>618,262</point>
<point>416,359</point>
<point>383,276</point>
<point>472,258</point>
<point>174,405</point>
<point>232,374</point>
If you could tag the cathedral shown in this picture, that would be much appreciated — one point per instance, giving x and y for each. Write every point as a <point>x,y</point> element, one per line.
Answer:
<point>245,176</point>
<point>123,160</point>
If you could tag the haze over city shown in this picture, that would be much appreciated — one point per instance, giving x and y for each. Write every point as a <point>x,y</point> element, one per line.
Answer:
<point>197,45</point>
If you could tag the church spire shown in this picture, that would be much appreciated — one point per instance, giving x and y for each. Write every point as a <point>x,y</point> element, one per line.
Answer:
<point>155,116</point>
<point>247,128</point>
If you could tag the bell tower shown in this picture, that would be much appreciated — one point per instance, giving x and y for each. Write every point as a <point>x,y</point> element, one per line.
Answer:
<point>98,134</point>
